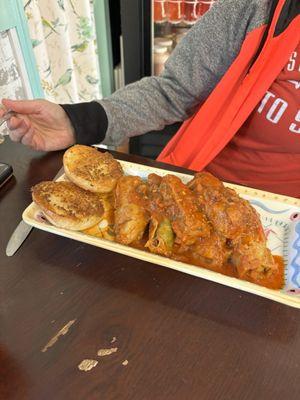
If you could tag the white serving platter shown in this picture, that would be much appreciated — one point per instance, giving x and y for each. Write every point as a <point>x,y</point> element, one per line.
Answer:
<point>280,216</point>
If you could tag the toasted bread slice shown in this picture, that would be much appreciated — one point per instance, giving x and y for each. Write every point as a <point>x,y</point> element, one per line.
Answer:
<point>92,170</point>
<point>68,206</point>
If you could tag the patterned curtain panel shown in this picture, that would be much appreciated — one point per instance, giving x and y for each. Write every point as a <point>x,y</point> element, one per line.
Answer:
<point>63,40</point>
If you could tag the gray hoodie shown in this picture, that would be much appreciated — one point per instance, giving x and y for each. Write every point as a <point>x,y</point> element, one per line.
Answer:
<point>192,71</point>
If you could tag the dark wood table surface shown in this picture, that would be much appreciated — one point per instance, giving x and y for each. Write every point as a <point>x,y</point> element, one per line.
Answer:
<point>183,337</point>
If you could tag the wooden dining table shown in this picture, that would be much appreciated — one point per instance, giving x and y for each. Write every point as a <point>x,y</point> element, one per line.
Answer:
<point>150,333</point>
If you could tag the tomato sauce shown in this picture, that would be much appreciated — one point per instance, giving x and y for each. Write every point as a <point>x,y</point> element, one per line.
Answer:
<point>274,281</point>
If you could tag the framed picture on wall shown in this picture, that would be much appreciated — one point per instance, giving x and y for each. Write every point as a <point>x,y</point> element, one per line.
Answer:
<point>19,77</point>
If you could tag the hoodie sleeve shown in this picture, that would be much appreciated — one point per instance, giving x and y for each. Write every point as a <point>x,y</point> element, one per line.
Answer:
<point>192,71</point>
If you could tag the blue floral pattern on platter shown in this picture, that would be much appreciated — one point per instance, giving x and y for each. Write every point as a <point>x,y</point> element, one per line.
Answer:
<point>284,242</point>
<point>293,266</point>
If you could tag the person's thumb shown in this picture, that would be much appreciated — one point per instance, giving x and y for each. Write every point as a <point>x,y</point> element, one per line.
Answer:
<point>22,106</point>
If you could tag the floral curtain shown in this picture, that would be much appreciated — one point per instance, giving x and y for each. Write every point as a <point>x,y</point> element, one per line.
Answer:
<point>64,44</point>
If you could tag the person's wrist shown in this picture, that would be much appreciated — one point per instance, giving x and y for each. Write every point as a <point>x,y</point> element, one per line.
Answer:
<point>69,127</point>
<point>65,127</point>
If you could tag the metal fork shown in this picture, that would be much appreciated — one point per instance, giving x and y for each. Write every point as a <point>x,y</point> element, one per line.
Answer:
<point>5,118</point>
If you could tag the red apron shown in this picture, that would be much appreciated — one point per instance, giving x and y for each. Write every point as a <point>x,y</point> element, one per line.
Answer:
<point>208,131</point>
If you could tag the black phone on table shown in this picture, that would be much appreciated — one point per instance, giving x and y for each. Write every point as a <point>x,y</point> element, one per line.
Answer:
<point>6,173</point>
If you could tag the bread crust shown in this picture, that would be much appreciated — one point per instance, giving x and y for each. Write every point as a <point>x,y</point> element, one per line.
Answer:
<point>91,169</point>
<point>67,206</point>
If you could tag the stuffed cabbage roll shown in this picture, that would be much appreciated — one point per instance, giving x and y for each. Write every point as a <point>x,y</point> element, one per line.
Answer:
<point>131,209</point>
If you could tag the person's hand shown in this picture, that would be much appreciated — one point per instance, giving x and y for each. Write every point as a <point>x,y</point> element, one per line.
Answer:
<point>39,124</point>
